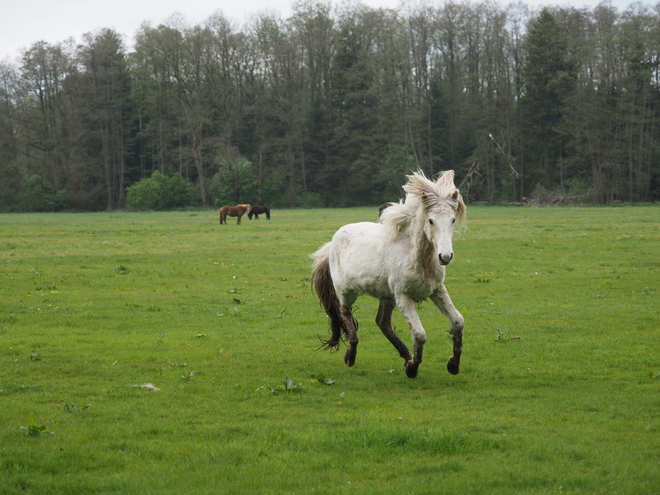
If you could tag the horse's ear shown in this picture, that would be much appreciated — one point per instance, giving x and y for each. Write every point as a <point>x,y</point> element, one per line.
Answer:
<point>460,209</point>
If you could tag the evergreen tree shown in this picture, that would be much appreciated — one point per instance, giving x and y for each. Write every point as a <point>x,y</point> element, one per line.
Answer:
<point>352,163</point>
<point>549,80</point>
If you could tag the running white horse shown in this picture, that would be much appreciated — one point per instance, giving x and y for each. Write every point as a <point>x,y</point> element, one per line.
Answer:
<point>400,261</point>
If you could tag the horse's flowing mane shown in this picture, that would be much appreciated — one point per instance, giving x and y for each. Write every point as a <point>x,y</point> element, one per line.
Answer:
<point>424,194</point>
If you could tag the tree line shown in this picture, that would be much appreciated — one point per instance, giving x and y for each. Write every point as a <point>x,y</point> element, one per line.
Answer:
<point>334,106</point>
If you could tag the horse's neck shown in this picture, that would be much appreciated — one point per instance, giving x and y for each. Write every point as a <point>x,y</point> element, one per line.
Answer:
<point>421,247</point>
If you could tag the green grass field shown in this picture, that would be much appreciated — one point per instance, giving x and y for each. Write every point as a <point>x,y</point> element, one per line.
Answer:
<point>559,389</point>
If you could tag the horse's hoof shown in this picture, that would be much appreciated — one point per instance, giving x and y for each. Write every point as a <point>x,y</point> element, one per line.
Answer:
<point>349,357</point>
<point>411,369</point>
<point>452,367</point>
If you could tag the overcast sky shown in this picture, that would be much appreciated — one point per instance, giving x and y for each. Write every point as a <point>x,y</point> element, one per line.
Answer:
<point>24,22</point>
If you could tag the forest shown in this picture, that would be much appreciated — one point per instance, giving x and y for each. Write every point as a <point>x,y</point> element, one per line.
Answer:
<point>334,105</point>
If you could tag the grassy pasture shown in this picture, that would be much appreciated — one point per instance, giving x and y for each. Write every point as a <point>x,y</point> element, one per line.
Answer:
<point>559,389</point>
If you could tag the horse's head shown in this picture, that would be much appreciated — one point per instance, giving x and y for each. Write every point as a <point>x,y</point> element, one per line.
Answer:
<point>440,206</point>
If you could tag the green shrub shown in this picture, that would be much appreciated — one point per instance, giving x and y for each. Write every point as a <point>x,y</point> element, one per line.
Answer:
<point>177,191</point>
<point>159,192</point>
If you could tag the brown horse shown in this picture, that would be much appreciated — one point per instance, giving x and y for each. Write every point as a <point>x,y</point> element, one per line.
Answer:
<point>233,211</point>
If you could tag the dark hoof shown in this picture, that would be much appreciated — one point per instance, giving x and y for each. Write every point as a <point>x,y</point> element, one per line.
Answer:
<point>349,357</point>
<point>411,369</point>
<point>452,367</point>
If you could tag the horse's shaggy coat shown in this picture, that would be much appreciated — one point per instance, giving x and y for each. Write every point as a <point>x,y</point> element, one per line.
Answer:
<point>233,211</point>
<point>257,210</point>
<point>400,261</point>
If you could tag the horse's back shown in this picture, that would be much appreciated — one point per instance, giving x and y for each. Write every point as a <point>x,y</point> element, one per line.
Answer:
<point>358,234</point>
<point>257,210</point>
<point>356,243</point>
<point>359,259</point>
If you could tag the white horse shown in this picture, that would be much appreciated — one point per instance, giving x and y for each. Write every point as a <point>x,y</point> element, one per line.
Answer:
<point>400,261</point>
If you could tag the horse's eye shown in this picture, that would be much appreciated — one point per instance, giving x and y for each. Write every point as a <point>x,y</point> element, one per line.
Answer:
<point>430,221</point>
<point>453,220</point>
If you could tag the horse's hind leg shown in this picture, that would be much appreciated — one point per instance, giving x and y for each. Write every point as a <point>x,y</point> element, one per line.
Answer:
<point>442,300</point>
<point>384,322</point>
<point>351,326</point>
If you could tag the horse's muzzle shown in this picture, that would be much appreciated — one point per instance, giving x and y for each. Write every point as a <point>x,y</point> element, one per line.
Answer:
<point>445,260</point>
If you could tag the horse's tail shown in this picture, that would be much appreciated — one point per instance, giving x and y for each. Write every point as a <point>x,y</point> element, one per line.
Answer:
<point>325,289</point>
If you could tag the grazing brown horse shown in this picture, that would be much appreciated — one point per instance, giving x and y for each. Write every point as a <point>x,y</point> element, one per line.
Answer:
<point>233,211</point>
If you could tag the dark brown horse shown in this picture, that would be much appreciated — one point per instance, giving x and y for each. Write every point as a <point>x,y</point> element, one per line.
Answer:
<point>233,211</point>
<point>385,206</point>
<point>382,208</point>
<point>256,210</point>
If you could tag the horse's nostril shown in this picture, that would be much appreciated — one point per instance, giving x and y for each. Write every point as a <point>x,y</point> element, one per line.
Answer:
<point>445,260</point>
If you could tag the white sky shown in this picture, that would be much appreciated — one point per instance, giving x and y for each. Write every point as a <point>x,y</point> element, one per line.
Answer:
<point>25,22</point>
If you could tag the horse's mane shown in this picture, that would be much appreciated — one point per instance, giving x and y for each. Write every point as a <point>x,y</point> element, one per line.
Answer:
<point>423,193</point>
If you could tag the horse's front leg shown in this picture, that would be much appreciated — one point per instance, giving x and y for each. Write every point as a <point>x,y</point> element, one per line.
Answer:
<point>442,300</point>
<point>407,308</point>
